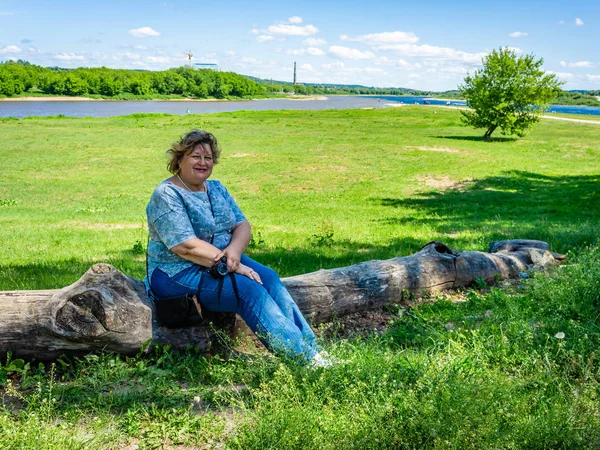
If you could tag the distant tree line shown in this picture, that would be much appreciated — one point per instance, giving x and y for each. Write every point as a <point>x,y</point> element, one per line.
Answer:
<point>574,98</point>
<point>21,77</point>
<point>332,89</point>
<point>578,98</point>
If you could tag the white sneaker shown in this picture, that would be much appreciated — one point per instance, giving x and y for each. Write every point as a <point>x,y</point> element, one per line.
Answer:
<point>322,359</point>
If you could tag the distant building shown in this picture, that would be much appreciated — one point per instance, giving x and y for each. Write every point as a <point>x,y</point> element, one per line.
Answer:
<point>210,66</point>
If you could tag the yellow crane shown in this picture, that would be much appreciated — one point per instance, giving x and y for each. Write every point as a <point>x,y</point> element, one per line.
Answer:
<point>189,57</point>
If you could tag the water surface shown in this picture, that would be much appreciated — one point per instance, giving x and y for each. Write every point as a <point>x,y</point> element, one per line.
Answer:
<point>122,108</point>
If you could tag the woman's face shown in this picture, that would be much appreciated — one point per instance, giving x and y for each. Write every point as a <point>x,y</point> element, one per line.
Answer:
<point>195,167</point>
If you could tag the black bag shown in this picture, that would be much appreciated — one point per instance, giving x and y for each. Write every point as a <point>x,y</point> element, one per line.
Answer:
<point>174,312</point>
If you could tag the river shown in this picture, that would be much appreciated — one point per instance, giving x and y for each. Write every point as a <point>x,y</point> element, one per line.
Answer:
<point>121,108</point>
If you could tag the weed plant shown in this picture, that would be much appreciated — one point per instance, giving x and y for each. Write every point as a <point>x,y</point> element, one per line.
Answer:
<point>506,368</point>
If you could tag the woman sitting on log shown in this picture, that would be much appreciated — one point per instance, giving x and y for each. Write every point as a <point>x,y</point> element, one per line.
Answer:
<point>198,235</point>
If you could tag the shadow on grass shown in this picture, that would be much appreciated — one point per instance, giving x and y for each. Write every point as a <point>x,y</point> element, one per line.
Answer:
<point>562,210</point>
<point>286,261</point>
<point>56,274</point>
<point>341,253</point>
<point>478,138</point>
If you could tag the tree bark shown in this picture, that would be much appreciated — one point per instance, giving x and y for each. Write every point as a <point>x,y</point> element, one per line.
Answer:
<point>106,310</point>
<point>488,134</point>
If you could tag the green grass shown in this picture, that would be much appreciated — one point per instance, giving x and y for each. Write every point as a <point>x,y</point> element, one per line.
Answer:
<point>74,190</point>
<point>322,189</point>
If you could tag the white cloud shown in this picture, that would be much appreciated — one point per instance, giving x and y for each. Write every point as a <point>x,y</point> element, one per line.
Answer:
<point>295,19</point>
<point>158,59</point>
<point>129,55</point>
<point>578,22</point>
<point>308,68</point>
<point>454,69</point>
<point>518,34</point>
<point>264,38</point>
<point>143,32</point>
<point>255,31</point>
<point>293,30</point>
<point>69,57</point>
<point>577,64</point>
<point>593,78</point>
<point>580,64</point>
<point>414,75</point>
<point>10,49</point>
<point>335,65</point>
<point>313,51</point>
<point>432,51</point>
<point>341,68</point>
<point>230,52</point>
<point>387,37</point>
<point>563,75</point>
<point>349,53</point>
<point>247,60</point>
<point>313,42</point>
<point>385,61</point>
<point>562,22</point>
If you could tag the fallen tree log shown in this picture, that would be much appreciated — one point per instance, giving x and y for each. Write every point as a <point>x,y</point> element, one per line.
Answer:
<point>106,310</point>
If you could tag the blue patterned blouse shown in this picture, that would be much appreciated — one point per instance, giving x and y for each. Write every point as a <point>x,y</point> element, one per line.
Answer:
<point>176,215</point>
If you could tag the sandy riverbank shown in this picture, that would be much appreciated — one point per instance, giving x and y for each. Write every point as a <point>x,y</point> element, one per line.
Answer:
<point>297,98</point>
<point>48,99</point>
<point>444,99</point>
<point>63,98</point>
<point>88,99</point>
<point>394,105</point>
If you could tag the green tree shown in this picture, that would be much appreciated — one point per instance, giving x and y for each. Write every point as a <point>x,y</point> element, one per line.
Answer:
<point>510,93</point>
<point>75,86</point>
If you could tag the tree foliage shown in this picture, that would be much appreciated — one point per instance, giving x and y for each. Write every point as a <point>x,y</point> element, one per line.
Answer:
<point>510,92</point>
<point>20,77</point>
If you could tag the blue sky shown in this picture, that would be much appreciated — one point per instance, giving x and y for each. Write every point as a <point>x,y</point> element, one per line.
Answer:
<point>423,45</point>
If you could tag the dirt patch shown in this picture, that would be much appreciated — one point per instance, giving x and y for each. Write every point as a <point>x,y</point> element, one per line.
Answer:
<point>244,155</point>
<point>337,168</point>
<point>434,149</point>
<point>357,324</point>
<point>443,183</point>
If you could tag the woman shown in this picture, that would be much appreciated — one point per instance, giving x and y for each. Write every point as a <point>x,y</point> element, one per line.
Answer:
<point>193,224</point>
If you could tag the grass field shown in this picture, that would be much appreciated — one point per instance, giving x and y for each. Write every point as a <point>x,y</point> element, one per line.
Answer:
<point>322,189</point>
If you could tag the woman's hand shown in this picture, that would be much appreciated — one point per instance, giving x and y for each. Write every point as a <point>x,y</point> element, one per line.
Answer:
<point>233,257</point>
<point>248,272</point>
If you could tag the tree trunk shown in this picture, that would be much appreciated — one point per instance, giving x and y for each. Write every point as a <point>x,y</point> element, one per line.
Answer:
<point>106,310</point>
<point>488,134</point>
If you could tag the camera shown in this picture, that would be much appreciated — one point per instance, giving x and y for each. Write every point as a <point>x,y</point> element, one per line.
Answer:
<point>219,269</point>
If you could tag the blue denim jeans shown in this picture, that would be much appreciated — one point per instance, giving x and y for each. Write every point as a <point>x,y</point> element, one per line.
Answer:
<point>268,309</point>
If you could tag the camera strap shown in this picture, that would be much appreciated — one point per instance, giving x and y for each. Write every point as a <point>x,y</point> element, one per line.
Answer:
<point>221,279</point>
<point>233,285</point>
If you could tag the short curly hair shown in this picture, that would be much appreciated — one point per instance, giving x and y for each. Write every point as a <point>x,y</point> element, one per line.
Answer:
<point>187,143</point>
